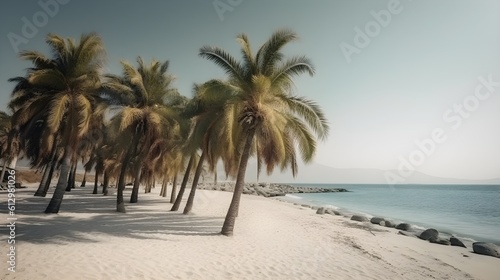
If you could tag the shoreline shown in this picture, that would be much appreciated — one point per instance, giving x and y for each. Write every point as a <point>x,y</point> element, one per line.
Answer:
<point>417,226</point>
<point>456,226</point>
<point>272,240</point>
<point>287,192</point>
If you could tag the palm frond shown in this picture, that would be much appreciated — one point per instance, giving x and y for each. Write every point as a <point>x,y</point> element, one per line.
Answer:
<point>58,109</point>
<point>223,59</point>
<point>269,54</point>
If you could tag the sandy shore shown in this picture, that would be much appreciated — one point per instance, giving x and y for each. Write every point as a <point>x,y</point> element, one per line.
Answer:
<point>273,240</point>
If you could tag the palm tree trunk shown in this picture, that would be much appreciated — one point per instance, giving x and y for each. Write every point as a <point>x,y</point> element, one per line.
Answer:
<point>149,185</point>
<point>105,184</point>
<point>163,192</point>
<point>96,180</point>
<point>120,204</point>
<point>134,197</point>
<point>189,204</point>
<point>45,177</point>
<point>232,213</point>
<point>84,179</point>
<point>178,200</point>
<point>71,177</point>
<point>57,197</point>
<point>13,162</point>
<point>73,171</point>
<point>47,174</point>
<point>51,173</point>
<point>173,194</point>
<point>3,169</point>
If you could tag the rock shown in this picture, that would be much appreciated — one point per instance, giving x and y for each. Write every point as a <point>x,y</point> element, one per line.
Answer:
<point>315,207</point>
<point>456,242</point>
<point>336,212</point>
<point>329,211</point>
<point>429,234</point>
<point>439,241</point>
<point>274,194</point>
<point>406,233</point>
<point>377,220</point>
<point>306,205</point>
<point>359,218</point>
<point>262,192</point>
<point>403,226</point>
<point>321,211</point>
<point>488,249</point>
<point>389,224</point>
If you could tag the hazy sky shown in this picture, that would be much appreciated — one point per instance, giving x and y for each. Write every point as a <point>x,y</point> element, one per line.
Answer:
<point>388,73</point>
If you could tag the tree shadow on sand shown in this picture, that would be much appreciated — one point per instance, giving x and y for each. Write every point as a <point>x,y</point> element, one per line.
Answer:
<point>92,218</point>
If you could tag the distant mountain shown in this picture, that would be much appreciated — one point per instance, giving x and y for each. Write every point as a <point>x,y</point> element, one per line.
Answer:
<point>318,173</point>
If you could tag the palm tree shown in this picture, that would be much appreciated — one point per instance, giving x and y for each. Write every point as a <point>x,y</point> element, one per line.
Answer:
<point>265,110</point>
<point>70,81</point>
<point>206,108</point>
<point>37,141</point>
<point>146,94</point>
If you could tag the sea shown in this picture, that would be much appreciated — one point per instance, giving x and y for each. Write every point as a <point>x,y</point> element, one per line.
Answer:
<point>467,211</point>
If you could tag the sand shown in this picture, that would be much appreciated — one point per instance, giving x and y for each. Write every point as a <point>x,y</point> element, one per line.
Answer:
<point>272,240</point>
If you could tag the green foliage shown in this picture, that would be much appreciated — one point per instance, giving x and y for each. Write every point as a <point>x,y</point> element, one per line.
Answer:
<point>259,93</point>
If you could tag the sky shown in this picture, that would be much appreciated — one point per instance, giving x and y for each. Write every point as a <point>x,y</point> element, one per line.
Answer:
<point>405,85</point>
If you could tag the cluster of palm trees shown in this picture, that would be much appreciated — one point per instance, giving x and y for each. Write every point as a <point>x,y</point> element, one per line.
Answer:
<point>136,126</point>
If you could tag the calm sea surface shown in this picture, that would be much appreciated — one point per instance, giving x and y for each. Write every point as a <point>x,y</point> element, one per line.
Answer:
<point>464,210</point>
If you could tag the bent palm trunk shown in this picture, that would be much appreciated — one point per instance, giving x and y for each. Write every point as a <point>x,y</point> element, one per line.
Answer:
<point>232,213</point>
<point>178,200</point>
<point>120,205</point>
<point>41,186</point>
<point>3,169</point>
<point>47,174</point>
<point>71,177</point>
<point>134,197</point>
<point>163,192</point>
<point>84,181</point>
<point>49,180</point>
<point>62,183</point>
<point>173,194</point>
<point>190,201</point>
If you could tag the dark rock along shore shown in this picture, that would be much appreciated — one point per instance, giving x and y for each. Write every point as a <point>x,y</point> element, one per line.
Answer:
<point>268,190</point>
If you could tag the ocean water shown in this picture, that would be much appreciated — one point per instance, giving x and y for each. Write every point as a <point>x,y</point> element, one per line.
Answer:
<point>470,211</point>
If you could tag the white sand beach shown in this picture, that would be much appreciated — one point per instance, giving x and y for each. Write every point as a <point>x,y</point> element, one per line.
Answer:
<point>272,240</point>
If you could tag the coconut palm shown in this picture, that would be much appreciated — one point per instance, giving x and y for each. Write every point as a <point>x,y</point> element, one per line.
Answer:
<point>37,141</point>
<point>146,94</point>
<point>264,110</point>
<point>207,107</point>
<point>69,83</point>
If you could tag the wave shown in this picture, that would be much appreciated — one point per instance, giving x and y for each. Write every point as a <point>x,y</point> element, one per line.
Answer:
<point>293,196</point>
